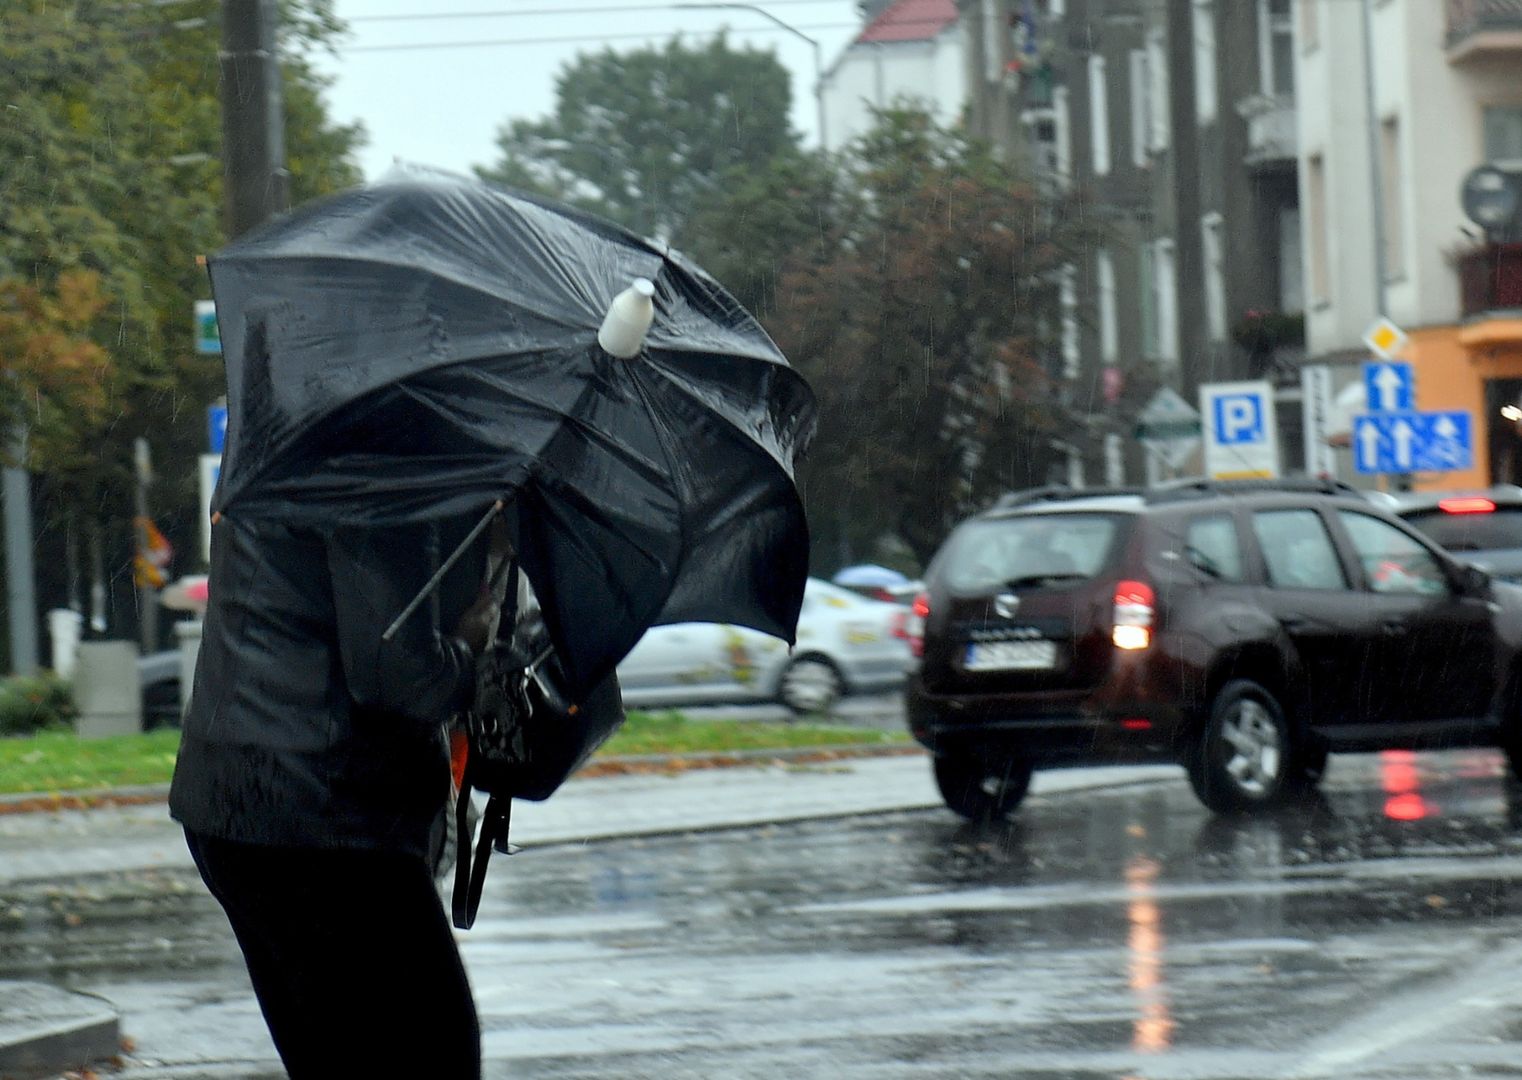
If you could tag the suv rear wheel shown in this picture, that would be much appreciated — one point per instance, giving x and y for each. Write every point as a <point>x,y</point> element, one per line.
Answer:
<point>1243,760</point>
<point>981,791</point>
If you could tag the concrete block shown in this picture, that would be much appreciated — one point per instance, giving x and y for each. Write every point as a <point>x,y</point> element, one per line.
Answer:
<point>106,689</point>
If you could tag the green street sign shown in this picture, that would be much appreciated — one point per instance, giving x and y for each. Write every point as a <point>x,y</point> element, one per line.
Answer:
<point>208,337</point>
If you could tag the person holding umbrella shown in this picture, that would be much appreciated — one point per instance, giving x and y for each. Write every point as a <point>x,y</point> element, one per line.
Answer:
<point>313,778</point>
<point>404,360</point>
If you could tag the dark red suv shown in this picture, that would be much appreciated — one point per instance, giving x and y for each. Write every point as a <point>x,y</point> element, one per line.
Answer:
<point>1241,629</point>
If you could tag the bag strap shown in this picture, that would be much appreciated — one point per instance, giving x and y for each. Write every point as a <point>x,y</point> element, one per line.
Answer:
<point>470,873</point>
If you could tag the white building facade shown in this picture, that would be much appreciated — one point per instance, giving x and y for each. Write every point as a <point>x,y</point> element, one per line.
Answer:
<point>910,54</point>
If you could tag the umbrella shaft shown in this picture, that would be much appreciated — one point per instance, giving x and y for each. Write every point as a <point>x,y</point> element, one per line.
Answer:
<point>438,576</point>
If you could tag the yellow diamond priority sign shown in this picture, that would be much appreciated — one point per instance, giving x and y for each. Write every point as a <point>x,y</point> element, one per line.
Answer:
<point>1385,338</point>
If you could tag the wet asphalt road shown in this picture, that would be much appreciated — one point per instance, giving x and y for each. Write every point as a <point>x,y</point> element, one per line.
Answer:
<point>1117,934</point>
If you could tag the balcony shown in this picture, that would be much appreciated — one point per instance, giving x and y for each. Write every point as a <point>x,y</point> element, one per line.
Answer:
<point>1490,279</point>
<point>1271,133</point>
<point>1479,28</point>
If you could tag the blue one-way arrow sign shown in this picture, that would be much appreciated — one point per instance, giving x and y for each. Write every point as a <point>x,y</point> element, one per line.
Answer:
<point>1389,386</point>
<point>1407,442</point>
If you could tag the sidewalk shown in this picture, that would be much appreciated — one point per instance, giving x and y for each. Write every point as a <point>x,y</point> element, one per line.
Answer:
<point>41,1025</point>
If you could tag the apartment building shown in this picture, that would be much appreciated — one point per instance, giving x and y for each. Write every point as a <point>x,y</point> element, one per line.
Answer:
<point>1401,99</point>
<point>1175,120</point>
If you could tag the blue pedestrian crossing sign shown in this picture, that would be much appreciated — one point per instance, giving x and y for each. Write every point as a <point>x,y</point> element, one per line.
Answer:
<point>1413,442</point>
<point>1389,386</point>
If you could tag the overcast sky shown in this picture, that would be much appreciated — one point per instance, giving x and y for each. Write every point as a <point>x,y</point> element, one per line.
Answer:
<point>442,104</point>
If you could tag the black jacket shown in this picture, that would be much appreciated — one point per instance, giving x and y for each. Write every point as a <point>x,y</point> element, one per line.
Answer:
<point>304,728</point>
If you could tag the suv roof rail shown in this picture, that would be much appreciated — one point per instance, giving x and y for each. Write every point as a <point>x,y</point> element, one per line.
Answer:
<point>1059,493</point>
<point>1203,488</point>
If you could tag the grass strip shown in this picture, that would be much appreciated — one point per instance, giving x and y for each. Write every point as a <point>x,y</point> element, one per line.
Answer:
<point>61,761</point>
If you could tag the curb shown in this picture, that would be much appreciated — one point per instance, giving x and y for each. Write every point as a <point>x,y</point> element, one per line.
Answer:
<point>43,1029</point>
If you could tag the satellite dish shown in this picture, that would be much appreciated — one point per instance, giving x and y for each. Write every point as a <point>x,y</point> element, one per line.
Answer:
<point>1492,196</point>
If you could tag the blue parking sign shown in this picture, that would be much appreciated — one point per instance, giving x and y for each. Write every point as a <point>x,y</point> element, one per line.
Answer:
<point>1241,430</point>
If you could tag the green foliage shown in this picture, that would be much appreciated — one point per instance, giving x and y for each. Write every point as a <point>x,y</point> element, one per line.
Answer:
<point>52,762</point>
<point>926,320</point>
<point>33,703</point>
<point>60,761</point>
<point>640,136</point>
<point>111,150</point>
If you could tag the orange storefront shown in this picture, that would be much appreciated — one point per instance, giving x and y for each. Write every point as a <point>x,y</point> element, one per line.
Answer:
<point>1476,367</point>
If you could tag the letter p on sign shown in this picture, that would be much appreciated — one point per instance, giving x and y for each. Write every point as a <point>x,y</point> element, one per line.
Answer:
<point>1239,419</point>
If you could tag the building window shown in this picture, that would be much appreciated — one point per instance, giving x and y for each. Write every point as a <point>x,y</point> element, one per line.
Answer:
<point>1392,180</point>
<point>1276,48</point>
<point>1042,128</point>
<point>1109,334</point>
<point>1063,134</point>
<point>1503,133</point>
<point>993,34</point>
<point>1070,353</point>
<point>1310,24</point>
<point>1213,242</point>
<point>1159,127</point>
<point>1159,303</point>
<point>1202,22</point>
<point>1115,460</point>
<point>1166,283</point>
<point>1099,114</point>
<point>1291,272</point>
<point>1140,116</point>
<point>1315,226</point>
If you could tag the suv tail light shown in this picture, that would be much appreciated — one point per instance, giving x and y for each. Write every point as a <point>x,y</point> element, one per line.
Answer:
<point>911,626</point>
<point>1475,505</point>
<point>1134,608</point>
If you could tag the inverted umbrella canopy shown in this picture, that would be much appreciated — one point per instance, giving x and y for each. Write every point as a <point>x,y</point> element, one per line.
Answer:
<point>427,345</point>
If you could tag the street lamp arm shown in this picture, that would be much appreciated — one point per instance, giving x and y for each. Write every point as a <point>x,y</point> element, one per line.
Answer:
<point>818,58</point>
<point>750,7</point>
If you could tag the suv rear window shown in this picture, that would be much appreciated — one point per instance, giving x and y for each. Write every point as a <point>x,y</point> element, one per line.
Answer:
<point>1031,549</point>
<point>1470,532</point>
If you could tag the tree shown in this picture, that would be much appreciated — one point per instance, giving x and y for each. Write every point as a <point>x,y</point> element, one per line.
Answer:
<point>110,152</point>
<point>756,222</point>
<point>641,136</point>
<point>924,326</point>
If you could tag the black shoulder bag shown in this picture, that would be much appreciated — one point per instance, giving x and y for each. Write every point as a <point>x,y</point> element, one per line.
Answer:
<point>525,734</point>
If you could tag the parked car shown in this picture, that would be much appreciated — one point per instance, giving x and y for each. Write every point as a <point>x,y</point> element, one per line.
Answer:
<point>846,644</point>
<point>1482,527</point>
<point>1243,630</point>
<point>158,676</point>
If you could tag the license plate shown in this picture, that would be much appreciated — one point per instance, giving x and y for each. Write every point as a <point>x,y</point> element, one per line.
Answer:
<point>1011,656</point>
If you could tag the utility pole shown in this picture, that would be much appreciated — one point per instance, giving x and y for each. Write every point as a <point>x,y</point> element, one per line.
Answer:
<point>254,176</point>
<point>1402,481</point>
<point>20,583</point>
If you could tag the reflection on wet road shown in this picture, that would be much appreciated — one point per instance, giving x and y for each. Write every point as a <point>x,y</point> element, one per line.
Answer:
<point>1373,932</point>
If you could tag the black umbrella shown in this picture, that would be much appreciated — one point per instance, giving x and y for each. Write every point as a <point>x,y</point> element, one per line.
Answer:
<point>428,345</point>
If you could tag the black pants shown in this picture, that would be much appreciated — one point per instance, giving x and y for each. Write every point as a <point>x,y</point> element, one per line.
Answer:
<point>352,958</point>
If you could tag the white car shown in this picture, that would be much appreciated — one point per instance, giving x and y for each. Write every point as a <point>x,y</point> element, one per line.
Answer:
<point>846,644</point>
